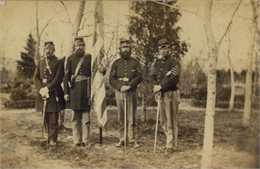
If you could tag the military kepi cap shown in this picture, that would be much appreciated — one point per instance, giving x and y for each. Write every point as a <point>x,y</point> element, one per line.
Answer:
<point>124,42</point>
<point>163,41</point>
<point>79,41</point>
<point>48,44</point>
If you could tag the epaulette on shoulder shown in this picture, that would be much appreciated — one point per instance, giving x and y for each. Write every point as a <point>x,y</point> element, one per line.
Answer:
<point>117,60</point>
<point>175,59</point>
<point>135,59</point>
<point>87,54</point>
<point>57,58</point>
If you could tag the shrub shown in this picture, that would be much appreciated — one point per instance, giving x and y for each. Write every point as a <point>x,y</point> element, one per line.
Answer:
<point>20,104</point>
<point>5,89</point>
<point>18,94</point>
<point>110,96</point>
<point>198,103</point>
<point>223,94</point>
<point>199,93</point>
<point>31,96</point>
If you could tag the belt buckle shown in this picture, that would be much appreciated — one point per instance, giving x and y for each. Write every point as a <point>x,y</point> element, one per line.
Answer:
<point>125,79</point>
<point>44,80</point>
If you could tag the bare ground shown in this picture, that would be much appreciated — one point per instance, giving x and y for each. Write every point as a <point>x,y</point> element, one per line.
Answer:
<point>234,146</point>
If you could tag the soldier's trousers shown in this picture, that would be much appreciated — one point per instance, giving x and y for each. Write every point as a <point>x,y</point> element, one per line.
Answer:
<point>80,126</point>
<point>131,108</point>
<point>169,116</point>
<point>52,125</point>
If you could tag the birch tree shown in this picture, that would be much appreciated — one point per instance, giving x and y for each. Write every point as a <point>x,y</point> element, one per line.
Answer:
<point>248,85</point>
<point>40,32</point>
<point>232,76</point>
<point>75,25</point>
<point>213,52</point>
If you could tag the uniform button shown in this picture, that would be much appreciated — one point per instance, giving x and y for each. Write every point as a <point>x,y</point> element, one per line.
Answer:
<point>162,62</point>
<point>161,69</point>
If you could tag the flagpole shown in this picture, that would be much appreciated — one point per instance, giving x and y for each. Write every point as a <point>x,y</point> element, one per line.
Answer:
<point>98,61</point>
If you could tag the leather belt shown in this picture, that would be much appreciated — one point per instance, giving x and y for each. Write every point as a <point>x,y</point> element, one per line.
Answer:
<point>125,79</point>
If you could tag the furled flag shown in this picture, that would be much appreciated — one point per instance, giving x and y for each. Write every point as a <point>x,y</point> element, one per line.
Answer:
<point>98,93</point>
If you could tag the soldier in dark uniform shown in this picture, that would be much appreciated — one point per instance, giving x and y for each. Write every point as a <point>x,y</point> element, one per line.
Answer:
<point>48,77</point>
<point>77,89</point>
<point>124,77</point>
<point>165,75</point>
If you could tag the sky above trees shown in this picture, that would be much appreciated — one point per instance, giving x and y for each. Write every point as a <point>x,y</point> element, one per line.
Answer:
<point>18,19</point>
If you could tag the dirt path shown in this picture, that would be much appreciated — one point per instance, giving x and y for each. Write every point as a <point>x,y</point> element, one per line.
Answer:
<point>16,136</point>
<point>21,145</point>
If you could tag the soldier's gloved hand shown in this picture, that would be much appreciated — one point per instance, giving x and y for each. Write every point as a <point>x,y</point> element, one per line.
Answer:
<point>67,97</point>
<point>44,91</point>
<point>156,88</point>
<point>102,70</point>
<point>47,95</point>
<point>124,88</point>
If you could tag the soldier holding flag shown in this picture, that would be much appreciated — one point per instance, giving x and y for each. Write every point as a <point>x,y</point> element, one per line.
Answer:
<point>77,88</point>
<point>165,75</point>
<point>48,76</point>
<point>124,77</point>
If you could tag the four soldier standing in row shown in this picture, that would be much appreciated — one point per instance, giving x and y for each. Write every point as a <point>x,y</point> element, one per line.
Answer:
<point>125,75</point>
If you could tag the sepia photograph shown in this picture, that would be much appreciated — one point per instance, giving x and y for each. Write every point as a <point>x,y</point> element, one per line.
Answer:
<point>129,84</point>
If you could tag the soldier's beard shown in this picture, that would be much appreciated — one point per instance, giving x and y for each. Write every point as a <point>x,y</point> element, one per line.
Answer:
<point>125,54</point>
<point>79,52</point>
<point>49,55</point>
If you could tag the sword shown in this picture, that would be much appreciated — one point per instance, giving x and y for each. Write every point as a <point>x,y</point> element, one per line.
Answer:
<point>124,98</point>
<point>43,114</point>
<point>158,99</point>
<point>61,116</point>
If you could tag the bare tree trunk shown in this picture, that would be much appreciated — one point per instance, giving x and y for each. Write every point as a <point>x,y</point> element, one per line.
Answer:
<point>232,81</point>
<point>143,115</point>
<point>211,89</point>
<point>37,45</point>
<point>213,51</point>
<point>255,94</point>
<point>248,87</point>
<point>76,26</point>
<point>232,95</point>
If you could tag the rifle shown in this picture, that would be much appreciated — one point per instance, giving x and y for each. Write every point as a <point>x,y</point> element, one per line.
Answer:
<point>158,99</point>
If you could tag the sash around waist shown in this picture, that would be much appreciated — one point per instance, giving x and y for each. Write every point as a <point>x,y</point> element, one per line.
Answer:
<point>80,78</point>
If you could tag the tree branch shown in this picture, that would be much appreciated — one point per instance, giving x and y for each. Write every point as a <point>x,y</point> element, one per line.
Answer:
<point>48,23</point>
<point>230,22</point>
<point>173,7</point>
<point>66,11</point>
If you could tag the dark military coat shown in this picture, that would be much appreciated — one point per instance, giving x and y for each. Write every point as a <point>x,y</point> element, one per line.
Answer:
<point>125,72</point>
<point>42,77</point>
<point>80,91</point>
<point>166,72</point>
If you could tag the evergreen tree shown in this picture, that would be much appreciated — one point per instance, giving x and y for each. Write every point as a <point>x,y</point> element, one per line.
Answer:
<point>26,66</point>
<point>148,23</point>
